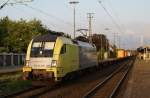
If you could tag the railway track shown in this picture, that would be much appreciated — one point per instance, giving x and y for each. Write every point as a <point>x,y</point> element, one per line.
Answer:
<point>109,86</point>
<point>15,94</point>
<point>32,91</point>
<point>27,93</point>
<point>76,89</point>
<point>67,90</point>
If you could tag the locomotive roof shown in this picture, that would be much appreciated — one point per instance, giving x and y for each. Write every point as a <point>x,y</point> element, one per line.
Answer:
<point>53,37</point>
<point>46,38</point>
<point>85,44</point>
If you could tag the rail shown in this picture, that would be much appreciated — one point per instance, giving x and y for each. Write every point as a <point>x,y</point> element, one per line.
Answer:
<point>119,83</point>
<point>30,92</point>
<point>100,85</point>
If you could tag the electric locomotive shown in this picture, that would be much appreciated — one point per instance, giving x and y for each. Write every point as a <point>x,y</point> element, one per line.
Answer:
<point>52,57</point>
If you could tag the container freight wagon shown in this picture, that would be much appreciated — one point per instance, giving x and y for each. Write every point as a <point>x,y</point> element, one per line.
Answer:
<point>121,53</point>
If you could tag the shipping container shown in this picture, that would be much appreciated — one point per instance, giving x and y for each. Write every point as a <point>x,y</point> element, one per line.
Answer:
<point>121,53</point>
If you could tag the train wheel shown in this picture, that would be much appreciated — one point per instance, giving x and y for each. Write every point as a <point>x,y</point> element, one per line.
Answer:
<point>25,76</point>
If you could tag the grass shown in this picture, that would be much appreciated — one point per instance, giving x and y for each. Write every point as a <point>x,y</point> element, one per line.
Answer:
<point>10,77</point>
<point>13,83</point>
<point>14,86</point>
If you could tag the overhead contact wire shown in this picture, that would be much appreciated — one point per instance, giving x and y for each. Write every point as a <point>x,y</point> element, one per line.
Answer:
<point>110,16</point>
<point>47,14</point>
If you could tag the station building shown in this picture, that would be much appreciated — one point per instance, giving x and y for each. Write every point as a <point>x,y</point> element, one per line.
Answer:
<point>144,52</point>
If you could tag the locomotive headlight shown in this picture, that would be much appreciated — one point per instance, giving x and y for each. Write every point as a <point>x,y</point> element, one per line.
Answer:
<point>54,63</point>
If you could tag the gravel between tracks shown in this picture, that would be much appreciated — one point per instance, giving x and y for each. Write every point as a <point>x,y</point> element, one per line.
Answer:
<point>77,88</point>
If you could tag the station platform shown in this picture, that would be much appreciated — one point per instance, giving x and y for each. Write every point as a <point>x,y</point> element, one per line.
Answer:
<point>138,85</point>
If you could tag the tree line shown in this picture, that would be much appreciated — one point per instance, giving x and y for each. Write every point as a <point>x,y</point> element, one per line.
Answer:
<point>16,35</point>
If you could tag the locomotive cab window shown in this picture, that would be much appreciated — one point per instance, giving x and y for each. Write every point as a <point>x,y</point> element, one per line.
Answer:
<point>42,49</point>
<point>63,49</point>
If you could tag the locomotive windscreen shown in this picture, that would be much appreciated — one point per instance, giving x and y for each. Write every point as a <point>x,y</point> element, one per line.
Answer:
<point>42,49</point>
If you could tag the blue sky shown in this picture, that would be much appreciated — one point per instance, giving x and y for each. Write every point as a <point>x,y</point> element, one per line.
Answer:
<point>132,16</point>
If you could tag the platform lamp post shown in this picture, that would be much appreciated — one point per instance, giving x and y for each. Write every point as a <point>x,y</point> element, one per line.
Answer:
<point>107,45</point>
<point>107,42</point>
<point>74,3</point>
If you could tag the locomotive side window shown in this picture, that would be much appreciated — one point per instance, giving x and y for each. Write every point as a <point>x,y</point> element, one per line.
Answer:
<point>63,49</point>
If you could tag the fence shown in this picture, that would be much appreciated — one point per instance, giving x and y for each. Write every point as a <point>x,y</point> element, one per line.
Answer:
<point>11,59</point>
